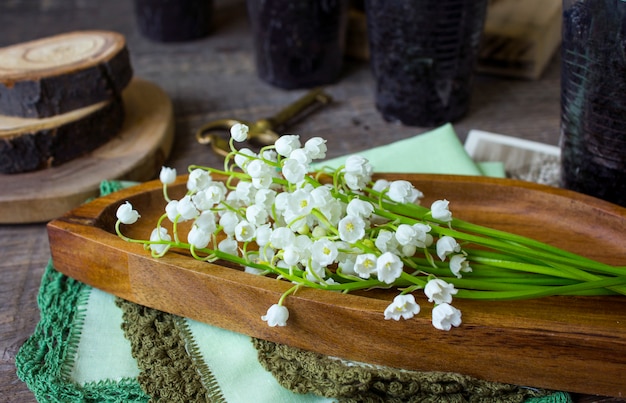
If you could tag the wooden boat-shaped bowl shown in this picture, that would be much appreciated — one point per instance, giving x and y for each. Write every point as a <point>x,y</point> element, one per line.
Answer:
<point>575,344</point>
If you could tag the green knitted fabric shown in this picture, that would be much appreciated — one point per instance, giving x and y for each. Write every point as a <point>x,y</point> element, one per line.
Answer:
<point>307,372</point>
<point>168,373</point>
<point>44,360</point>
<point>107,187</point>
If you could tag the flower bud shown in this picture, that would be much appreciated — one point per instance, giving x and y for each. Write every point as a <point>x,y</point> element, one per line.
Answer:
<point>126,214</point>
<point>239,132</point>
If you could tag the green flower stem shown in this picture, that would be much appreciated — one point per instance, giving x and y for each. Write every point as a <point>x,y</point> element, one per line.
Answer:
<point>523,252</point>
<point>554,261</point>
<point>124,237</point>
<point>469,288</point>
<point>415,281</point>
<point>589,263</point>
<point>513,243</point>
<point>165,194</point>
<point>532,268</point>
<point>292,290</point>
<point>573,289</point>
<point>558,270</point>
<point>497,285</point>
<point>233,174</point>
<point>490,273</point>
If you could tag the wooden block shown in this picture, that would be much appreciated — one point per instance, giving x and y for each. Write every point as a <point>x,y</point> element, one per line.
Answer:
<point>28,144</point>
<point>356,37</point>
<point>520,37</point>
<point>61,73</point>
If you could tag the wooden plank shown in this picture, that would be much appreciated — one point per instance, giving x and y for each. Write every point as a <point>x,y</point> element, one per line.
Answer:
<point>544,343</point>
<point>519,38</point>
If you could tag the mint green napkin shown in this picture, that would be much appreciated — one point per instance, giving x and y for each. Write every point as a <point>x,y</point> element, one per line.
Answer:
<point>438,151</point>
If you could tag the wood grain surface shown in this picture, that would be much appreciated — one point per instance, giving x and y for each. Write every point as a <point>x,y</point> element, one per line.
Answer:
<point>215,78</point>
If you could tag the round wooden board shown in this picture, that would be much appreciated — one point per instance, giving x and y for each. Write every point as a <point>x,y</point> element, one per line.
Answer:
<point>136,153</point>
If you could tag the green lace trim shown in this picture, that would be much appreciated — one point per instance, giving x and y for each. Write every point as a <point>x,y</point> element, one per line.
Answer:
<point>307,372</point>
<point>167,372</point>
<point>44,361</point>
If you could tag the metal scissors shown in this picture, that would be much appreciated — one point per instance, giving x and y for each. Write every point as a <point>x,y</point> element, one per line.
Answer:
<point>263,131</point>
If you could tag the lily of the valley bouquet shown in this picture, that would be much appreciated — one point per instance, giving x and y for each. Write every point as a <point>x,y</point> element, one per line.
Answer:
<point>338,230</point>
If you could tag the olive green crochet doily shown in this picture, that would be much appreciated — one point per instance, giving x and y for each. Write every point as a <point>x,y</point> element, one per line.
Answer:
<point>158,344</point>
<point>307,372</point>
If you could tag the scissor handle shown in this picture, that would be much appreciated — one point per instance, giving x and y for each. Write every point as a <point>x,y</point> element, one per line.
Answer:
<point>206,133</point>
<point>260,133</point>
<point>302,106</point>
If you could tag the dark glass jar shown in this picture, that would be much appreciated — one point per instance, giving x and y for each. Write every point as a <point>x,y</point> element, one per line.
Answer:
<point>298,43</point>
<point>422,55</point>
<point>173,20</point>
<point>593,98</point>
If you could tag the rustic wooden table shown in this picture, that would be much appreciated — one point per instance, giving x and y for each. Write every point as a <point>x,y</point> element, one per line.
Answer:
<point>215,78</point>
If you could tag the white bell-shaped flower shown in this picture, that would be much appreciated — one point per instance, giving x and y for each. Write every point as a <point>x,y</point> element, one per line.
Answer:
<point>244,231</point>
<point>239,132</point>
<point>439,292</point>
<point>444,316</point>
<point>167,175</point>
<point>459,264</point>
<point>243,157</point>
<point>126,214</point>
<point>402,191</point>
<point>440,210</point>
<point>316,148</point>
<point>276,315</point>
<point>447,245</point>
<point>293,170</point>
<point>159,234</point>
<point>286,144</point>
<point>187,209</point>
<point>403,306</point>
<point>198,237</point>
<point>351,228</point>
<point>388,267</point>
<point>365,265</point>
<point>323,252</point>
<point>198,179</point>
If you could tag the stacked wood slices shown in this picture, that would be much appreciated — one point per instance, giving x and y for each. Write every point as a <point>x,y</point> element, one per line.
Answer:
<point>60,98</point>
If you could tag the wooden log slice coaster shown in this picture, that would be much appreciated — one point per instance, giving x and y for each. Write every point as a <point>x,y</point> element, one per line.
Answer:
<point>58,74</point>
<point>135,154</point>
<point>32,144</point>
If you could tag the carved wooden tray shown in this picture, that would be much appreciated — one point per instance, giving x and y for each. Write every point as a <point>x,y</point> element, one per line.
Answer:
<point>575,344</point>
